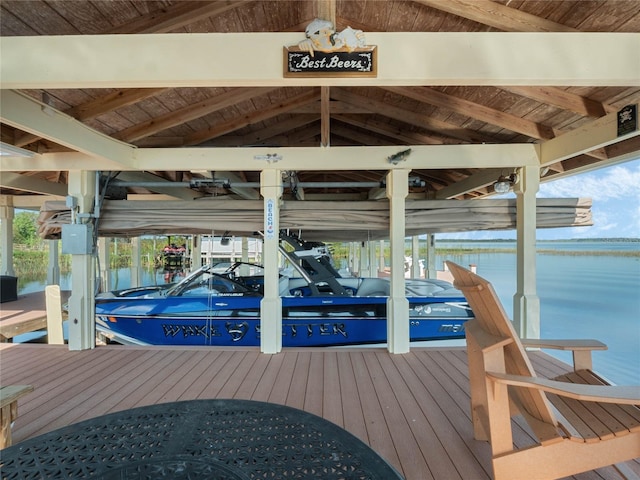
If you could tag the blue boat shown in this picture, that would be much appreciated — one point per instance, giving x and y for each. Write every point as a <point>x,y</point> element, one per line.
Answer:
<point>220,305</point>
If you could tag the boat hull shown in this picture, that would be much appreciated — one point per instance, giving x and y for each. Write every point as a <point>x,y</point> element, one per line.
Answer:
<point>306,321</point>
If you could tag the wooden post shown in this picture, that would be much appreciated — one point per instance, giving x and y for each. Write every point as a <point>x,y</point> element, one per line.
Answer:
<point>54,315</point>
<point>397,304</point>
<point>526,304</point>
<point>271,304</point>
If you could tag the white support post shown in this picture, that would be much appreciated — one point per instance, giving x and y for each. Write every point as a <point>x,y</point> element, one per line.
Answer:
<point>381,264</point>
<point>397,304</point>
<point>82,329</point>
<point>271,304</point>
<point>526,303</point>
<point>431,257</point>
<point>364,260</point>
<point>6,234</point>
<point>196,253</point>
<point>373,268</point>
<point>135,262</point>
<point>415,257</point>
<point>53,268</point>
<point>104,259</point>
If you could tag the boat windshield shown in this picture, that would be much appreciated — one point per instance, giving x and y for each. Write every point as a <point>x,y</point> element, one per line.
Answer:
<point>205,281</point>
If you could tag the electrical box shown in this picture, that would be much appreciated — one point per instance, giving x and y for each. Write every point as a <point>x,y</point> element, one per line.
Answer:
<point>77,238</point>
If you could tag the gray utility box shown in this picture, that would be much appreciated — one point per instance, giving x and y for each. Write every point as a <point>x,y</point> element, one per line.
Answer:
<point>77,239</point>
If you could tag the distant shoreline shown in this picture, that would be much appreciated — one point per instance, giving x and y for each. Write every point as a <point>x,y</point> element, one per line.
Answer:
<point>559,240</point>
<point>543,251</point>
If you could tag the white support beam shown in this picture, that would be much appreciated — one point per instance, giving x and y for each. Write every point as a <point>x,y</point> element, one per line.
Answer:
<point>469,184</point>
<point>255,59</point>
<point>596,134</point>
<point>31,184</point>
<point>295,158</point>
<point>26,113</point>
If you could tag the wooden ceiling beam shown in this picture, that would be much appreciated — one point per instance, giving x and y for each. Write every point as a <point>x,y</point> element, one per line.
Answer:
<point>361,137</point>
<point>563,99</point>
<point>413,118</point>
<point>279,128</point>
<point>476,111</point>
<point>191,112</point>
<point>201,136</point>
<point>325,116</point>
<point>112,101</point>
<point>335,106</point>
<point>496,15</point>
<point>402,135</point>
<point>176,16</point>
<point>99,106</point>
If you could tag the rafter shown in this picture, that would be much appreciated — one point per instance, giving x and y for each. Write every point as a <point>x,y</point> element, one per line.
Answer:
<point>475,110</point>
<point>563,99</point>
<point>496,15</point>
<point>190,112</point>
<point>197,138</point>
<point>413,118</point>
<point>176,16</point>
<point>383,128</point>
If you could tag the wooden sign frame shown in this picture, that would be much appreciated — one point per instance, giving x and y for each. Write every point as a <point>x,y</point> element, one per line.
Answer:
<point>361,62</point>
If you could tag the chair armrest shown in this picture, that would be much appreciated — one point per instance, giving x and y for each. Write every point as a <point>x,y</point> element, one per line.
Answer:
<point>591,393</point>
<point>586,344</point>
<point>581,349</point>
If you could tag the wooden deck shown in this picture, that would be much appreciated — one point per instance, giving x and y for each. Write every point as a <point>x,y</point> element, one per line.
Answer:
<point>413,409</point>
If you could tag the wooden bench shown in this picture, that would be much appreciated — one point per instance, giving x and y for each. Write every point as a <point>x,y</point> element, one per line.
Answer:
<point>9,395</point>
<point>579,421</point>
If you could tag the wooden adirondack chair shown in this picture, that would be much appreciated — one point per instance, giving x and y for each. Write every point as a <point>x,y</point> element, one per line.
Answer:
<point>579,421</point>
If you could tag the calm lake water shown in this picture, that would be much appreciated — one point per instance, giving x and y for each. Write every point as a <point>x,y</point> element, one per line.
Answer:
<point>581,296</point>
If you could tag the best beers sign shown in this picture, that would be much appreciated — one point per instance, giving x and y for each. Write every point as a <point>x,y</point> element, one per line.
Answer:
<point>327,53</point>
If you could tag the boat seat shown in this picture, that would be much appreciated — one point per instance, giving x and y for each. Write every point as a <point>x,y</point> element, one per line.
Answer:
<point>371,287</point>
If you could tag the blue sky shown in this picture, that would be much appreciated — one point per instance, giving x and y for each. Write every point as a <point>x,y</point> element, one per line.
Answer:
<point>615,192</point>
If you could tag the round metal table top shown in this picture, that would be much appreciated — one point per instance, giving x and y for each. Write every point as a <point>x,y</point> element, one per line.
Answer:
<point>203,439</point>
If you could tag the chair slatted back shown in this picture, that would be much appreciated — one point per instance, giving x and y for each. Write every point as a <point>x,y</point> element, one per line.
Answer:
<point>490,314</point>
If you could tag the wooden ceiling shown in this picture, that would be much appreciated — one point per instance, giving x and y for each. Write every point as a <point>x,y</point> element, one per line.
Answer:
<point>311,116</point>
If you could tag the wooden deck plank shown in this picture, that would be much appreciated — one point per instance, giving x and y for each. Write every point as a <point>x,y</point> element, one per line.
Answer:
<point>282,382</point>
<point>377,428</point>
<point>265,383</point>
<point>411,408</point>
<point>225,367</point>
<point>331,391</point>
<point>440,458</point>
<point>405,444</point>
<point>313,394</point>
<point>354,420</point>
<point>298,388</point>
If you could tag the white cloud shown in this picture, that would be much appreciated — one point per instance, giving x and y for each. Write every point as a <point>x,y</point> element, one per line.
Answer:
<point>619,181</point>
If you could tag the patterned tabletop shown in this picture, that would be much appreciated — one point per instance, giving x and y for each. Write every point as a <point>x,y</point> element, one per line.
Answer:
<point>203,439</point>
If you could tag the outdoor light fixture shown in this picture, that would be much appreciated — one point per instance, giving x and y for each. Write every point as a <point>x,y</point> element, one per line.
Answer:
<point>269,157</point>
<point>505,182</point>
